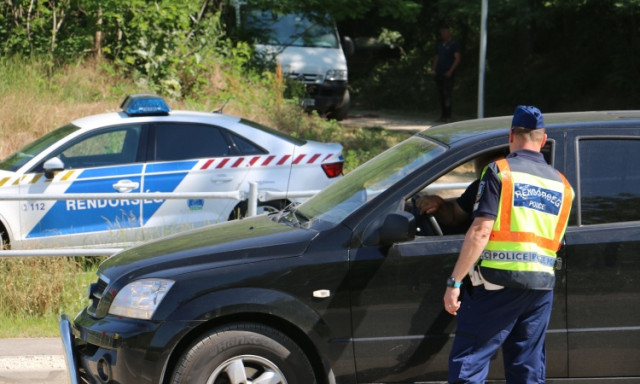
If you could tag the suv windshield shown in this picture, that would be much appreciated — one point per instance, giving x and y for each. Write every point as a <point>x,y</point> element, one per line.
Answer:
<point>31,150</point>
<point>340,199</point>
<point>268,27</point>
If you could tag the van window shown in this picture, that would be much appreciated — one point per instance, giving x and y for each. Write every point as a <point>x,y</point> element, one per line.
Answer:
<point>270,28</point>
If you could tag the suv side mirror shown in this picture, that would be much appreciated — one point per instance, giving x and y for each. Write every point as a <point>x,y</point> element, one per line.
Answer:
<point>398,227</point>
<point>52,166</point>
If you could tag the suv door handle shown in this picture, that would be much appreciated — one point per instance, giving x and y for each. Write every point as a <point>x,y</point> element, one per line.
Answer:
<point>124,186</point>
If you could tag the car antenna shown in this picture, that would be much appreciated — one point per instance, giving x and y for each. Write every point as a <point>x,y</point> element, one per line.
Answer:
<point>219,110</point>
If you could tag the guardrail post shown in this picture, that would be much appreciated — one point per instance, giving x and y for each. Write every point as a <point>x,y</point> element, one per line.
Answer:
<point>252,203</point>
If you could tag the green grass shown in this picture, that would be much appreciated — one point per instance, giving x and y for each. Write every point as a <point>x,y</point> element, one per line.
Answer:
<point>37,290</point>
<point>43,326</point>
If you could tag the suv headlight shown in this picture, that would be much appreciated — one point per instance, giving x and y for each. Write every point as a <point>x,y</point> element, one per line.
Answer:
<point>337,75</point>
<point>140,299</point>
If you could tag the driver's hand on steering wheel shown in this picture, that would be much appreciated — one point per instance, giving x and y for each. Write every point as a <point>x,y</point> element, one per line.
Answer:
<point>429,204</point>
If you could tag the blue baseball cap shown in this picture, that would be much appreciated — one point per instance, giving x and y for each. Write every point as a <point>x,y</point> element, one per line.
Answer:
<point>528,117</point>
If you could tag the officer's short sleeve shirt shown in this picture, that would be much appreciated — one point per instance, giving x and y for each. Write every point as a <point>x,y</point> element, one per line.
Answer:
<point>467,200</point>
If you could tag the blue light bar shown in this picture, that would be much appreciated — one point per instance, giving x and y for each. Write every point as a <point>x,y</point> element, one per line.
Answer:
<point>145,105</point>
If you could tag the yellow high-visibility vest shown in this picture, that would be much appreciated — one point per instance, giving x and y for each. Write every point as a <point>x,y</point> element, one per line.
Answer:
<point>533,212</point>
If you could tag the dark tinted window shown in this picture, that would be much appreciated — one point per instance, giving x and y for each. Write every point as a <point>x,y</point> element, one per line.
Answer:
<point>609,180</point>
<point>246,147</point>
<point>179,141</point>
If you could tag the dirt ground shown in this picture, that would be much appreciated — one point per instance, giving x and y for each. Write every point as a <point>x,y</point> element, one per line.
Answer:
<point>388,120</point>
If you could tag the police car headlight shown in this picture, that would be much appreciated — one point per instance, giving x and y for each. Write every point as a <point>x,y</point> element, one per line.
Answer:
<point>337,75</point>
<point>140,299</point>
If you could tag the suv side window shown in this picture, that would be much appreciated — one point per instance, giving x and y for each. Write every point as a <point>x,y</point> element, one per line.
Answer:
<point>609,180</point>
<point>458,185</point>
<point>181,141</point>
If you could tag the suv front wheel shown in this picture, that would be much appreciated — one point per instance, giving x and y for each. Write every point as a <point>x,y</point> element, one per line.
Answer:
<point>244,353</point>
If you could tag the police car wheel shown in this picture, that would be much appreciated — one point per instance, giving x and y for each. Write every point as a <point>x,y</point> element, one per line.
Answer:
<point>269,207</point>
<point>244,353</point>
<point>4,240</point>
<point>240,210</point>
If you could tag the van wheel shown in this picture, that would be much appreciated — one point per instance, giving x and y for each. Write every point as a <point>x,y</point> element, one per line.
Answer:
<point>244,353</point>
<point>341,112</point>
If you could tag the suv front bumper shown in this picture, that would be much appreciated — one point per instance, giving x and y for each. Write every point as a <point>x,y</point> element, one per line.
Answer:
<point>118,350</point>
<point>69,351</point>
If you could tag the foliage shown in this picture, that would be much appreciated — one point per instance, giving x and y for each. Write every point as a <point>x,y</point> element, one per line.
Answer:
<point>164,46</point>
<point>560,55</point>
<point>341,9</point>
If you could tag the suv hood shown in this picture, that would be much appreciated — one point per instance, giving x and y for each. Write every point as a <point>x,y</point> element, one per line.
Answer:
<point>233,242</point>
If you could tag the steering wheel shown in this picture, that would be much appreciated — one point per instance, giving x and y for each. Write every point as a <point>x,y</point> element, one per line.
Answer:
<point>428,225</point>
<point>435,225</point>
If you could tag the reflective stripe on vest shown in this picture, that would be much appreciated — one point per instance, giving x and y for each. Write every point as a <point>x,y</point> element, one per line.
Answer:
<point>528,231</point>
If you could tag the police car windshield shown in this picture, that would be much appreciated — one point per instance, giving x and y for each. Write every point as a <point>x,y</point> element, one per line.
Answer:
<point>340,199</point>
<point>17,159</point>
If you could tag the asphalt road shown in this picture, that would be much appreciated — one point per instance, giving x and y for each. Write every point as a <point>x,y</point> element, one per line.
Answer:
<point>37,360</point>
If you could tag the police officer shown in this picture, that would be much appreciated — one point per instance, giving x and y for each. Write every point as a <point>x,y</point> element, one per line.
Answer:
<point>520,216</point>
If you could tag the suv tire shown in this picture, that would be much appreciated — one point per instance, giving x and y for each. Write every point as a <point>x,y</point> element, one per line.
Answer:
<point>244,353</point>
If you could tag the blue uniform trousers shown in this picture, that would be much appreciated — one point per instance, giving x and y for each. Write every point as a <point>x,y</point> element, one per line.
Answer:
<point>515,319</point>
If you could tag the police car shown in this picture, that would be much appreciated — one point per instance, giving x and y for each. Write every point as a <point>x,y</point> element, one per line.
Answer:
<point>147,148</point>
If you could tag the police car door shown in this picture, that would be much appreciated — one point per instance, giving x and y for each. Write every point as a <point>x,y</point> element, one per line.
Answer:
<point>102,161</point>
<point>188,157</point>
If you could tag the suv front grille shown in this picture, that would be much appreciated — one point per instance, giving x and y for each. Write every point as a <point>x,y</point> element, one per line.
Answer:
<point>307,78</point>
<point>96,291</point>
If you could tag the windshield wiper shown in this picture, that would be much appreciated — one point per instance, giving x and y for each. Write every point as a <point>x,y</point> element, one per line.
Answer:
<point>302,219</point>
<point>291,215</point>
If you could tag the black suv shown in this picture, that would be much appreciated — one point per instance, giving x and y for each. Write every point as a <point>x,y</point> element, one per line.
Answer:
<point>340,289</point>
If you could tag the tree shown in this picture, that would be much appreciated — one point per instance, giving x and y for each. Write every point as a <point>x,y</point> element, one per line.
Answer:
<point>406,10</point>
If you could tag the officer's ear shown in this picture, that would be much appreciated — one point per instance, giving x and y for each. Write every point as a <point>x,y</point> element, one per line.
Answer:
<point>543,141</point>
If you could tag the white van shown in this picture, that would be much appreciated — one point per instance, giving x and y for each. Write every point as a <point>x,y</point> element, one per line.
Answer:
<point>308,48</point>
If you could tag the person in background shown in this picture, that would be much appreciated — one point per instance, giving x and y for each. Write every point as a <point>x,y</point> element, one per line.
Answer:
<point>444,65</point>
<point>519,219</point>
